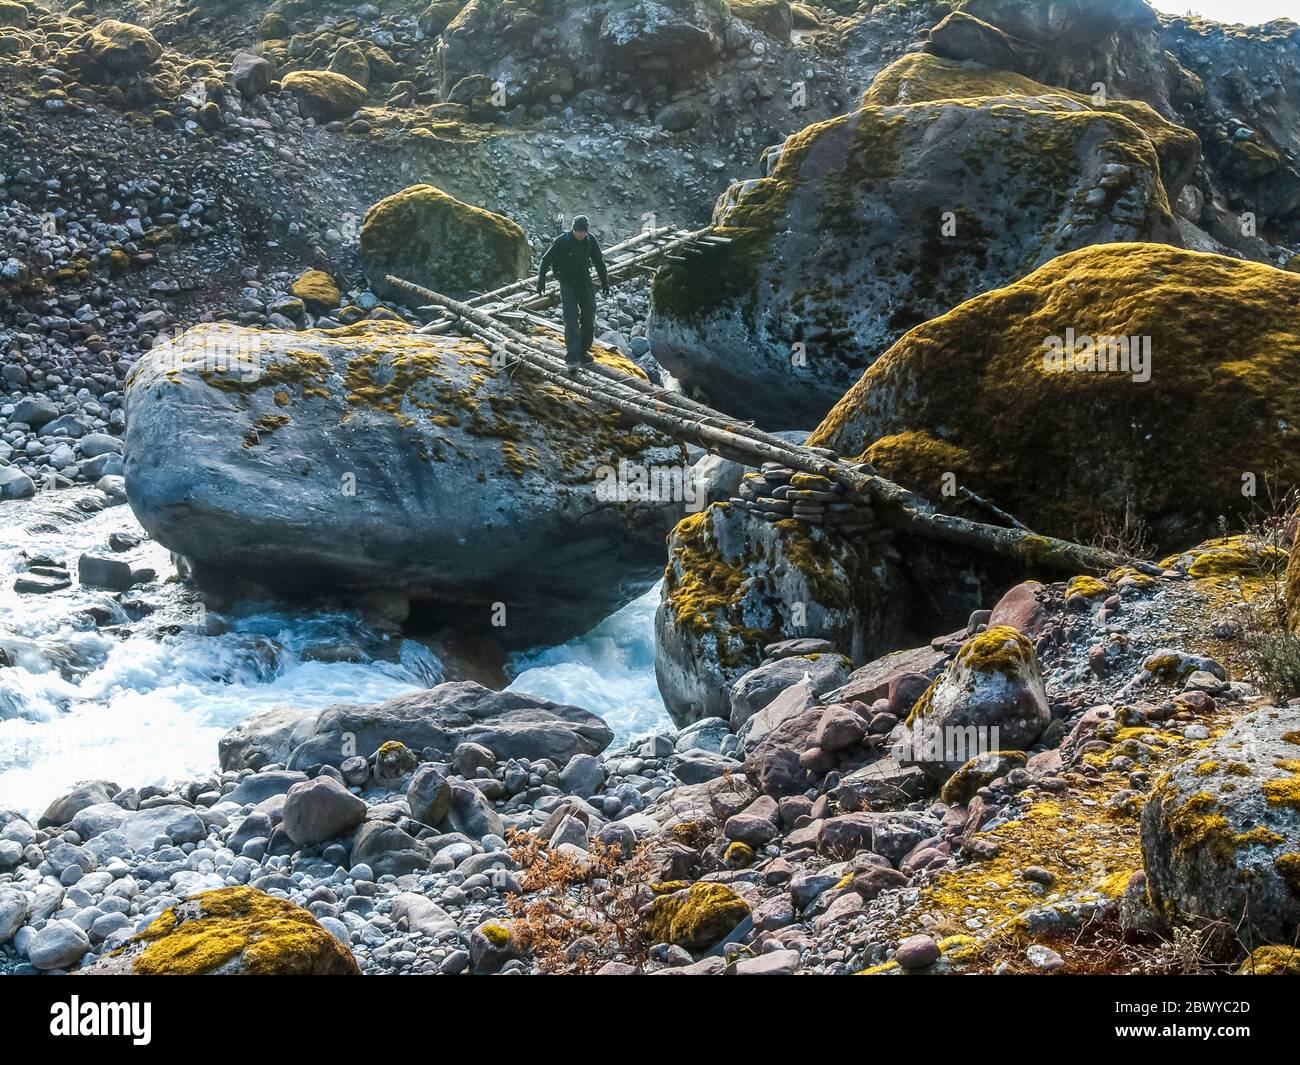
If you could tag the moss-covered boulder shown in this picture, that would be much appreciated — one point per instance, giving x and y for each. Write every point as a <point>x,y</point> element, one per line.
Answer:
<point>382,464</point>
<point>273,26</point>
<point>423,235</point>
<point>854,234</point>
<point>1292,587</point>
<point>1271,961</point>
<point>1115,43</point>
<point>921,78</point>
<point>437,16</point>
<point>990,699</point>
<point>112,51</point>
<point>350,60</point>
<point>1195,383</point>
<point>695,918</point>
<point>804,17</point>
<point>773,17</point>
<point>734,584</point>
<point>963,36</point>
<point>236,931</point>
<point>13,15</point>
<point>323,94</point>
<point>1071,23</point>
<point>316,289</point>
<point>978,773</point>
<point>1221,832</point>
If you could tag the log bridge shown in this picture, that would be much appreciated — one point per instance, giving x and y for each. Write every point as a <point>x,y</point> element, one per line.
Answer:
<point>506,320</point>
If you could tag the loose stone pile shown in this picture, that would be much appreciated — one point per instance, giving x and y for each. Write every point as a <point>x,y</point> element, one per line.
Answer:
<point>776,492</point>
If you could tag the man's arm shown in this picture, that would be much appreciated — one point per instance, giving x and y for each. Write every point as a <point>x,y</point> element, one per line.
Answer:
<point>599,260</point>
<point>547,259</point>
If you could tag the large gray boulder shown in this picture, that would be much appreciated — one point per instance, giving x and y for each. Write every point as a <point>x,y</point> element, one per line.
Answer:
<point>261,786</point>
<point>92,821</point>
<point>853,236</point>
<point>415,913</point>
<point>176,824</point>
<point>585,44</point>
<point>1076,44</point>
<point>757,688</point>
<point>321,809</point>
<point>436,721</point>
<point>58,945</point>
<point>390,466</point>
<point>472,813</point>
<point>1221,831</point>
<point>64,808</point>
<point>428,795</point>
<point>13,912</point>
<point>735,584</point>
<point>388,850</point>
<point>261,739</point>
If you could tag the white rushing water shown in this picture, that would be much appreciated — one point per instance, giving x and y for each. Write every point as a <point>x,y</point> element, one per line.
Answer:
<point>609,671</point>
<point>144,699</point>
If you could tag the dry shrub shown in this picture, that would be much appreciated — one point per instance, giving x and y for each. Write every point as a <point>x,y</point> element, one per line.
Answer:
<point>577,913</point>
<point>1124,535</point>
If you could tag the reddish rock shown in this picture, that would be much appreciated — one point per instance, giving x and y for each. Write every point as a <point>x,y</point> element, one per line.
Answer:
<point>1021,609</point>
<point>917,952</point>
<point>792,807</point>
<point>749,828</point>
<point>817,761</point>
<point>871,881</point>
<point>904,690</point>
<point>846,834</point>
<point>872,681</point>
<point>839,728</point>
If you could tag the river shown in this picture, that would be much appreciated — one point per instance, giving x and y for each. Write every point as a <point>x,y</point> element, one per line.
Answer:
<point>143,696</point>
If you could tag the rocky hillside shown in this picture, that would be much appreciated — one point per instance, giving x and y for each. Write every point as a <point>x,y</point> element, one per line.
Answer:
<point>972,275</point>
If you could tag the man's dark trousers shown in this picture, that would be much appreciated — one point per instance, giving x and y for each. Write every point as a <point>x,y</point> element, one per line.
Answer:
<point>579,320</point>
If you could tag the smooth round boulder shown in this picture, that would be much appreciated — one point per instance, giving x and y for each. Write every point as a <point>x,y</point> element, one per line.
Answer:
<point>392,468</point>
<point>121,47</point>
<point>324,95</point>
<point>429,795</point>
<point>58,945</point>
<point>425,236</point>
<point>321,809</point>
<point>64,808</point>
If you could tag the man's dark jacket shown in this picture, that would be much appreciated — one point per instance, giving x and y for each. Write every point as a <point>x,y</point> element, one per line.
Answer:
<point>572,260</point>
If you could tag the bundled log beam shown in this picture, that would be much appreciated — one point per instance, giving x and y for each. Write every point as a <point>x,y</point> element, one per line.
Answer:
<point>691,422</point>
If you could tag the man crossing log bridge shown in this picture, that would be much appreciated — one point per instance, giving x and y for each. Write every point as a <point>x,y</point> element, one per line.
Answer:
<point>571,257</point>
